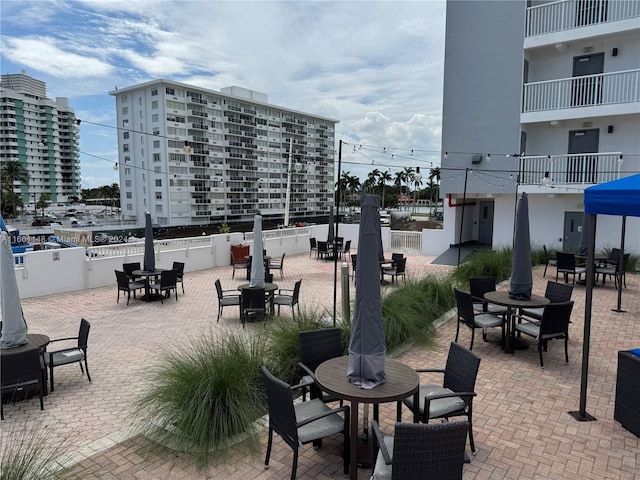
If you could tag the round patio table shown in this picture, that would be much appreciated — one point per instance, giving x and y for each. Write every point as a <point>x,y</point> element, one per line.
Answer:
<point>147,297</point>
<point>402,382</point>
<point>502,298</point>
<point>269,289</point>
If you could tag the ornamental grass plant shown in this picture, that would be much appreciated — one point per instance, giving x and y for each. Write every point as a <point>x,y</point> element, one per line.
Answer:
<point>485,263</point>
<point>205,392</point>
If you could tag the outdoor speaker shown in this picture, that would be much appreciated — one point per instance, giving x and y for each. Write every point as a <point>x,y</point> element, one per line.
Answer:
<point>614,52</point>
<point>610,129</point>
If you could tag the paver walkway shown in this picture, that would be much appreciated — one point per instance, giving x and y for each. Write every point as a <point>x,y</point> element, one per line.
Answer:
<point>521,425</point>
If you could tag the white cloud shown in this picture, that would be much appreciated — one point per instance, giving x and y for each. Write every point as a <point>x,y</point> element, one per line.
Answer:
<point>42,54</point>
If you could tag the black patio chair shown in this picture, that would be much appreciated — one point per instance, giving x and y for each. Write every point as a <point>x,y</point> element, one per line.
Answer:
<point>556,293</point>
<point>226,298</point>
<point>617,270</point>
<point>553,324</point>
<point>346,249</point>
<point>179,268</point>
<point>252,304</point>
<point>316,347</point>
<point>168,282</point>
<point>288,298</point>
<point>313,246</point>
<point>419,451</point>
<point>323,250</point>
<point>396,270</point>
<point>549,260</point>
<point>74,354</point>
<point>454,398</point>
<point>301,423</point>
<point>472,319</point>
<point>478,286</point>
<point>21,374</point>
<point>277,265</point>
<point>126,285</point>
<point>566,265</point>
<point>131,267</point>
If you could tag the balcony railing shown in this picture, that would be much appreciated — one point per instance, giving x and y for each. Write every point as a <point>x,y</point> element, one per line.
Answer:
<point>569,14</point>
<point>584,91</point>
<point>570,169</point>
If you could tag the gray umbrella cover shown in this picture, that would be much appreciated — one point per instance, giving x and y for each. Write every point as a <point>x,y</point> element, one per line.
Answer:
<point>149,254</point>
<point>331,233</point>
<point>14,328</point>
<point>521,271</point>
<point>367,347</point>
<point>257,262</point>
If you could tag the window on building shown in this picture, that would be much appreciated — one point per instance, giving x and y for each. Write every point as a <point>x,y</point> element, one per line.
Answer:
<point>156,130</point>
<point>125,135</point>
<point>170,91</point>
<point>125,124</point>
<point>156,144</point>
<point>125,110</point>
<point>158,195</point>
<point>124,99</point>
<point>155,118</point>
<point>127,159</point>
<point>127,183</point>
<point>125,147</point>
<point>158,182</point>
<point>158,208</point>
<point>129,207</point>
<point>127,171</point>
<point>154,104</point>
<point>128,195</point>
<point>154,92</point>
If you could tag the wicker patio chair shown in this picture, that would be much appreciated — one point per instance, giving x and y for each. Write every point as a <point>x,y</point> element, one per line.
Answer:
<point>553,324</point>
<point>472,319</point>
<point>567,266</point>
<point>252,303</point>
<point>556,293</point>
<point>126,285</point>
<point>75,354</point>
<point>454,398</point>
<point>419,451</point>
<point>288,298</point>
<point>131,267</point>
<point>313,246</point>
<point>397,270</point>
<point>226,298</point>
<point>549,260</point>
<point>303,422</point>
<point>179,268</point>
<point>277,265</point>
<point>21,372</point>
<point>168,282</point>
<point>477,288</point>
<point>316,347</point>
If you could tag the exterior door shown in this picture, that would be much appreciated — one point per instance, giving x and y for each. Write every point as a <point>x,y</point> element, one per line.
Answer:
<point>583,168</point>
<point>572,231</point>
<point>587,84</point>
<point>485,224</point>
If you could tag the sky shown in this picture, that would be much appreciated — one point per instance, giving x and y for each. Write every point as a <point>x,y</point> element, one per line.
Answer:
<point>376,67</point>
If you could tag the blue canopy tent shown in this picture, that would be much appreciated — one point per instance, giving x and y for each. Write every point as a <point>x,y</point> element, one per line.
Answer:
<point>622,198</point>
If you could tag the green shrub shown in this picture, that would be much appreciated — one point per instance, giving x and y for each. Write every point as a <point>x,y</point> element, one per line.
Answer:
<point>409,311</point>
<point>204,392</point>
<point>486,263</point>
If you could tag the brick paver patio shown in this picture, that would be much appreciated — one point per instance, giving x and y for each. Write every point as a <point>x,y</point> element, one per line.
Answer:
<point>521,425</point>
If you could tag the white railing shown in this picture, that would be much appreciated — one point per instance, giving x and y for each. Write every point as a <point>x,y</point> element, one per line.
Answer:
<point>585,91</point>
<point>280,233</point>
<point>568,14</point>
<point>406,241</point>
<point>576,169</point>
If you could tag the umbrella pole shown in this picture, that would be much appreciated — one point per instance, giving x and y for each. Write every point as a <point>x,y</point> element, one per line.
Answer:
<point>582,415</point>
<point>335,253</point>
<point>620,265</point>
<point>464,202</point>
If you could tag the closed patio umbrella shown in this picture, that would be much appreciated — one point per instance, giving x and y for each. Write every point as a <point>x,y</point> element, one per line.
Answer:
<point>521,273</point>
<point>331,235</point>
<point>257,262</point>
<point>367,346</point>
<point>14,328</point>
<point>149,253</point>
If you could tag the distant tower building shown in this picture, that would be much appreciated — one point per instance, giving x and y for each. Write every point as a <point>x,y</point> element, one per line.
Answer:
<point>43,135</point>
<point>194,156</point>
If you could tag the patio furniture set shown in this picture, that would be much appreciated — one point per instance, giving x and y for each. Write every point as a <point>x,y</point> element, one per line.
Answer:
<point>157,284</point>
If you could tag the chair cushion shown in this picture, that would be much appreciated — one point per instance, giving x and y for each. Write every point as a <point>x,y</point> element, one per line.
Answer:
<point>136,285</point>
<point>68,356</point>
<point>320,428</point>
<point>440,407</point>
<point>487,320</point>
<point>528,328</point>
<point>283,300</point>
<point>533,313</point>
<point>491,308</point>
<point>233,300</point>
<point>382,471</point>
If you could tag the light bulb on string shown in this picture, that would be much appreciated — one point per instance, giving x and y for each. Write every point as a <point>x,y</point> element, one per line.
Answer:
<point>488,157</point>
<point>446,155</point>
<point>620,161</point>
<point>115,167</point>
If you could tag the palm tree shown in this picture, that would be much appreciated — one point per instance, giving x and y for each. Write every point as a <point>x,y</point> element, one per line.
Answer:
<point>435,173</point>
<point>372,179</point>
<point>11,172</point>
<point>43,201</point>
<point>383,179</point>
<point>417,183</point>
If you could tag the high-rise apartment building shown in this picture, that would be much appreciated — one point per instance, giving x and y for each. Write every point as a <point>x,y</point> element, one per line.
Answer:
<point>43,135</point>
<point>540,97</point>
<point>195,156</point>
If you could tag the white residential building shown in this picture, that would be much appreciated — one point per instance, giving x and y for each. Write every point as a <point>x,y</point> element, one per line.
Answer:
<point>556,87</point>
<point>42,134</point>
<point>195,156</point>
